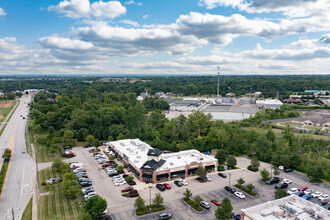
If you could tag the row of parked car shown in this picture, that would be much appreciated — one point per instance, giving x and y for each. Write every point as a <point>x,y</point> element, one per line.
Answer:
<point>83,180</point>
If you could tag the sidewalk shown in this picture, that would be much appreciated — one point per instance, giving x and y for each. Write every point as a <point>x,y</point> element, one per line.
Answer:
<point>35,190</point>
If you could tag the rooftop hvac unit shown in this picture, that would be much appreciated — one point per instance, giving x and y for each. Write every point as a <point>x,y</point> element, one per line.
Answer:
<point>138,156</point>
<point>289,207</point>
<point>136,161</point>
<point>122,144</point>
<point>171,163</point>
<point>179,157</point>
<point>201,158</point>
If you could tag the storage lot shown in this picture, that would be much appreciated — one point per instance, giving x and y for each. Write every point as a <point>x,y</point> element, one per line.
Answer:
<point>123,208</point>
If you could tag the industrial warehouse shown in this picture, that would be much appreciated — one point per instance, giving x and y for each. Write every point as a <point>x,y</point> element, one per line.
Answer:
<point>153,165</point>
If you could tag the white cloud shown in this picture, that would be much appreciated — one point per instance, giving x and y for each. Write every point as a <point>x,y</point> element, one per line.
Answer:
<point>133,3</point>
<point>130,22</point>
<point>145,16</point>
<point>2,12</point>
<point>83,8</point>
<point>325,38</point>
<point>64,43</point>
<point>303,43</point>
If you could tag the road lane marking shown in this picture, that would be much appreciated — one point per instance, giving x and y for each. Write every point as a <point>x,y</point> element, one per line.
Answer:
<point>10,146</point>
<point>23,181</point>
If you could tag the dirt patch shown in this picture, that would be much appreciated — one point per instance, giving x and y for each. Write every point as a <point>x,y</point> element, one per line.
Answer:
<point>6,103</point>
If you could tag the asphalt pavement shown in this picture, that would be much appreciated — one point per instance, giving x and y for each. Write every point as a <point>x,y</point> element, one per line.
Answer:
<point>18,186</point>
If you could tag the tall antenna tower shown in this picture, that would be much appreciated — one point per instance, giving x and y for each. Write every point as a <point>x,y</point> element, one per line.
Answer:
<point>218,83</point>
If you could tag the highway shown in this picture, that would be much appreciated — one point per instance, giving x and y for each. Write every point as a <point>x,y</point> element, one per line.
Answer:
<point>19,183</point>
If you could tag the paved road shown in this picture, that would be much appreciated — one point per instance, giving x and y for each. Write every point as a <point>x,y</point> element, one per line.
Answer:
<point>21,174</point>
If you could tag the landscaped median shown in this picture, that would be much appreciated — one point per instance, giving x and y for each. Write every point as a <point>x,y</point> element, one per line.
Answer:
<point>6,155</point>
<point>142,209</point>
<point>248,189</point>
<point>195,204</point>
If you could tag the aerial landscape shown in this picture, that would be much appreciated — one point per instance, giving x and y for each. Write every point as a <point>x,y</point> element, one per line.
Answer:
<point>192,109</point>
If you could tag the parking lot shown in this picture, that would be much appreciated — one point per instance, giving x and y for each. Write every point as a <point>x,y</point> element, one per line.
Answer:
<point>120,207</point>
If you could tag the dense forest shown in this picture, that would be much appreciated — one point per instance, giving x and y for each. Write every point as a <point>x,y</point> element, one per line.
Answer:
<point>270,86</point>
<point>110,111</point>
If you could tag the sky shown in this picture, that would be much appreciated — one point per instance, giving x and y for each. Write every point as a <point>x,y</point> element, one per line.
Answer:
<point>242,37</point>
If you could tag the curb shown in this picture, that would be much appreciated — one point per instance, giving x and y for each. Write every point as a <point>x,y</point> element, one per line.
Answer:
<point>193,208</point>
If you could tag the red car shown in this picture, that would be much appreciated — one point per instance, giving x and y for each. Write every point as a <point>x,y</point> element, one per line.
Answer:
<point>127,189</point>
<point>217,202</point>
<point>303,188</point>
<point>167,186</point>
<point>106,165</point>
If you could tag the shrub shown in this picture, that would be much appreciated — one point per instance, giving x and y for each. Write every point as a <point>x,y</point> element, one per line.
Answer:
<point>243,188</point>
<point>129,178</point>
<point>193,204</point>
<point>120,168</point>
<point>142,211</point>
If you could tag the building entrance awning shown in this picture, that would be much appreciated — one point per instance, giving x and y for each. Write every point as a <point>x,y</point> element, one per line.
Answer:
<point>146,175</point>
<point>165,175</point>
<point>178,172</point>
<point>210,166</point>
<point>192,170</point>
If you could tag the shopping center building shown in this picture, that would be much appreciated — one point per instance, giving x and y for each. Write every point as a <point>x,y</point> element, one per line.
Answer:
<point>153,165</point>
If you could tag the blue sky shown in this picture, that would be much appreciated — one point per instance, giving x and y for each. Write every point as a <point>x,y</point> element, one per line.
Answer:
<point>164,37</point>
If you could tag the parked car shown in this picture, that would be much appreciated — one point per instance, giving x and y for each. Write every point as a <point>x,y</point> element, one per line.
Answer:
<point>127,189</point>
<point>273,180</point>
<point>75,164</point>
<point>90,195</point>
<point>167,186</point>
<point>178,183</point>
<point>239,195</point>
<point>83,184</point>
<point>317,194</point>
<point>307,196</point>
<point>287,181</point>
<point>84,180</point>
<point>106,165</point>
<point>217,202</point>
<point>288,170</point>
<point>79,169</point>
<point>133,193</point>
<point>327,206</point>
<point>230,189</point>
<point>292,191</point>
<point>205,205</point>
<point>85,190</point>
<point>81,174</point>
<point>113,174</point>
<point>281,185</point>
<point>208,178</point>
<point>160,187</point>
<point>309,191</point>
<point>165,215</point>
<point>223,175</point>
<point>303,188</point>
<point>322,203</point>
<point>324,197</point>
<point>237,217</point>
<point>184,182</point>
<point>300,193</point>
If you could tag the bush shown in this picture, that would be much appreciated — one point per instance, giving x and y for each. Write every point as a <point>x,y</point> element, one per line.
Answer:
<point>124,194</point>
<point>43,183</point>
<point>193,204</point>
<point>62,152</point>
<point>120,169</point>
<point>243,188</point>
<point>156,208</point>
<point>129,178</point>
<point>142,211</point>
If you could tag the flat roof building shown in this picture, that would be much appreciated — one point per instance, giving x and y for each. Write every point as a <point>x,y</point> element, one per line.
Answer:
<point>269,103</point>
<point>152,165</point>
<point>288,208</point>
<point>230,112</point>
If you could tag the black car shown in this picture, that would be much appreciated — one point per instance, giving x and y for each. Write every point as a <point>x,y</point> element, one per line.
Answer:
<point>160,187</point>
<point>163,216</point>
<point>288,170</point>
<point>327,206</point>
<point>281,185</point>
<point>300,193</point>
<point>230,189</point>
<point>273,180</point>
<point>222,175</point>
<point>86,183</point>
<point>178,183</point>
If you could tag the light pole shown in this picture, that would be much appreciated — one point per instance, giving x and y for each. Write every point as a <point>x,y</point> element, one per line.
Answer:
<point>150,187</point>
<point>271,169</point>
<point>229,174</point>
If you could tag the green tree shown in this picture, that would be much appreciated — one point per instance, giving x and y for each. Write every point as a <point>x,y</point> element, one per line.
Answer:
<point>276,171</point>
<point>231,161</point>
<point>96,143</point>
<point>129,178</point>
<point>68,138</point>
<point>264,174</point>
<point>111,158</point>
<point>37,128</point>
<point>221,156</point>
<point>90,139</point>
<point>315,173</point>
<point>280,193</point>
<point>71,188</point>
<point>95,206</point>
<point>187,194</point>
<point>158,200</point>
<point>240,181</point>
<point>199,122</point>
<point>139,203</point>
<point>84,216</point>
<point>270,135</point>
<point>224,212</point>
<point>69,176</point>
<point>250,187</point>
<point>198,199</point>
<point>57,164</point>
<point>120,168</point>
<point>255,163</point>
<point>201,172</point>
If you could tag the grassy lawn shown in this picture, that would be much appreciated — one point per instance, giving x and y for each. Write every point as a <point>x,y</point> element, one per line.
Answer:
<point>56,205</point>
<point>5,111</point>
<point>278,133</point>
<point>27,214</point>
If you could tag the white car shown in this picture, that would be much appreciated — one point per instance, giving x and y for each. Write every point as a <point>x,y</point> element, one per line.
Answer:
<point>316,194</point>
<point>287,181</point>
<point>292,191</point>
<point>309,191</point>
<point>89,195</point>
<point>208,178</point>
<point>184,182</point>
<point>120,182</point>
<point>323,197</point>
<point>240,195</point>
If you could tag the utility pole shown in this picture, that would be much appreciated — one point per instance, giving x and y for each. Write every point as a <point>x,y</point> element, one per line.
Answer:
<point>271,169</point>
<point>229,174</point>
<point>150,187</point>
<point>218,83</point>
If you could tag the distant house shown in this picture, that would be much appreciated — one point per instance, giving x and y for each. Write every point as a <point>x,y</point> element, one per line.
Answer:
<point>230,95</point>
<point>319,118</point>
<point>255,95</point>
<point>2,94</point>
<point>292,101</point>
<point>187,105</point>
<point>50,100</point>
<point>318,92</point>
<point>142,96</point>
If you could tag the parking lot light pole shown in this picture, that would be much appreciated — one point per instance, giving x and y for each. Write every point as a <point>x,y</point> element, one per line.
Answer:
<point>271,169</point>
<point>229,174</point>
<point>150,187</point>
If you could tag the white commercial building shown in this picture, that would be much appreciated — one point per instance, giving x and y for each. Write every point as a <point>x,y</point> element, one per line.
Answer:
<point>230,112</point>
<point>269,103</point>
<point>288,208</point>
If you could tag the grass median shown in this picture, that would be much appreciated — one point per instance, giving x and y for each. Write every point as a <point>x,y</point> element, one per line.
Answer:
<point>27,214</point>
